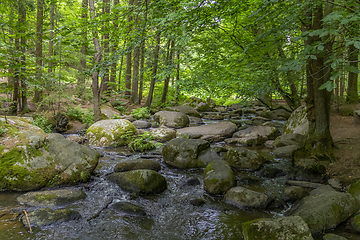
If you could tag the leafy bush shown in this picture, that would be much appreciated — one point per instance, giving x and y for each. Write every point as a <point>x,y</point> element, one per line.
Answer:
<point>74,113</point>
<point>141,113</point>
<point>142,142</point>
<point>42,122</point>
<point>88,117</point>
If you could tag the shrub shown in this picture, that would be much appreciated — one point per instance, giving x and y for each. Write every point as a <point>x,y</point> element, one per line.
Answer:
<point>88,117</point>
<point>141,113</point>
<point>42,122</point>
<point>74,113</point>
<point>142,142</point>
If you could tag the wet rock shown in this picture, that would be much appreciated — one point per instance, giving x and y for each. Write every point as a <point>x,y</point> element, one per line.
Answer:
<point>269,133</point>
<point>245,198</point>
<point>273,124</point>
<point>197,202</point>
<point>355,223</point>
<point>31,159</point>
<point>188,153</point>
<point>242,158</point>
<point>271,172</point>
<point>285,151</point>
<point>128,208</point>
<point>76,138</point>
<point>278,114</point>
<point>141,124</point>
<point>163,134</point>
<point>51,198</point>
<point>326,209</point>
<point>297,123</point>
<point>203,107</point>
<point>139,181</point>
<point>109,133</point>
<point>218,177</point>
<point>355,190</point>
<point>220,129</point>
<point>172,119</point>
<point>290,139</point>
<point>258,121</point>
<point>195,121</point>
<point>135,164</point>
<point>294,193</point>
<point>222,109</point>
<point>185,109</point>
<point>47,216</point>
<point>331,236</point>
<point>213,116</point>
<point>190,182</point>
<point>285,228</point>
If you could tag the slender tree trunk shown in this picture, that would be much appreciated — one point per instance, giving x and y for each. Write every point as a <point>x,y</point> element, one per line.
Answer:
<point>142,55</point>
<point>154,71</point>
<point>38,51</point>
<point>128,57</point>
<point>136,60</point>
<point>81,79</point>
<point>352,90</point>
<point>13,79</point>
<point>105,78</point>
<point>113,50</point>
<point>51,36</point>
<point>177,76</point>
<point>95,75</point>
<point>169,63</point>
<point>22,23</point>
<point>120,72</point>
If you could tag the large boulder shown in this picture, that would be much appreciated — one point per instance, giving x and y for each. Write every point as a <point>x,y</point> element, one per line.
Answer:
<point>163,134</point>
<point>109,112</point>
<point>218,177</point>
<point>298,122</point>
<point>218,131</point>
<point>110,133</point>
<point>52,198</point>
<point>245,198</point>
<point>142,181</point>
<point>188,153</point>
<point>324,209</point>
<point>285,228</point>
<point>290,139</point>
<point>172,119</point>
<point>30,159</point>
<point>243,158</point>
<point>46,216</point>
<point>269,133</point>
<point>355,190</point>
<point>135,164</point>
<point>185,109</point>
<point>141,124</point>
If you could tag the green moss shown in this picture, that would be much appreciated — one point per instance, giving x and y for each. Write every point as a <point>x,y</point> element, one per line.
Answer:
<point>44,197</point>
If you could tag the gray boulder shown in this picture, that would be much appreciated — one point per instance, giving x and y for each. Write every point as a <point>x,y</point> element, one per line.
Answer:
<point>355,223</point>
<point>141,124</point>
<point>297,123</point>
<point>172,119</point>
<point>218,130</point>
<point>269,133</point>
<point>294,193</point>
<point>213,116</point>
<point>135,164</point>
<point>285,151</point>
<point>128,208</point>
<point>243,158</point>
<point>109,112</point>
<point>52,198</point>
<point>289,139</point>
<point>31,159</point>
<point>218,177</point>
<point>185,109</point>
<point>245,198</point>
<point>110,133</point>
<point>195,121</point>
<point>285,228</point>
<point>188,153</point>
<point>163,134</point>
<point>47,216</point>
<point>355,190</point>
<point>325,209</point>
<point>331,236</point>
<point>142,181</point>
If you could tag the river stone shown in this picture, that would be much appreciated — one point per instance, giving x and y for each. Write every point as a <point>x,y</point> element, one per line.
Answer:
<point>269,133</point>
<point>141,124</point>
<point>220,129</point>
<point>76,138</point>
<point>251,139</point>
<point>243,158</point>
<point>326,209</point>
<point>136,164</point>
<point>195,121</point>
<point>163,134</point>
<point>31,159</point>
<point>279,114</point>
<point>46,216</point>
<point>172,119</point>
<point>128,208</point>
<point>218,177</point>
<point>142,181</point>
<point>109,133</point>
<point>245,198</point>
<point>185,109</point>
<point>294,193</point>
<point>109,112</point>
<point>213,116</point>
<point>355,223</point>
<point>289,139</point>
<point>331,236</point>
<point>285,151</point>
<point>297,123</point>
<point>355,190</point>
<point>188,153</point>
<point>51,198</point>
<point>223,109</point>
<point>285,228</point>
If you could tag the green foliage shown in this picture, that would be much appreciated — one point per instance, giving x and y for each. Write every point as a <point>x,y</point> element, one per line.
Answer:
<point>84,116</point>
<point>42,122</point>
<point>141,113</point>
<point>2,131</point>
<point>142,142</point>
<point>88,117</point>
<point>119,105</point>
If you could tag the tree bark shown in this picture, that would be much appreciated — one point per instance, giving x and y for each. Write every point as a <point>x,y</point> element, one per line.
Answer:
<point>113,50</point>
<point>105,78</point>
<point>352,90</point>
<point>167,79</point>
<point>95,75</point>
<point>154,71</point>
<point>177,79</point>
<point>142,55</point>
<point>128,58</point>
<point>38,51</point>
<point>22,24</point>
<point>80,88</point>
<point>136,65</point>
<point>51,36</point>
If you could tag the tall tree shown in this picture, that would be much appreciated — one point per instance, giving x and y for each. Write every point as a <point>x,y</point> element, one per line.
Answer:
<point>38,51</point>
<point>154,70</point>
<point>22,26</point>
<point>136,58</point>
<point>106,37</point>
<point>114,46</point>
<point>81,79</point>
<point>352,90</point>
<point>128,55</point>
<point>169,59</point>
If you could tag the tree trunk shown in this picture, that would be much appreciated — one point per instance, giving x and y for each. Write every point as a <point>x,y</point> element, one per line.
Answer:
<point>105,78</point>
<point>22,23</point>
<point>38,51</point>
<point>14,78</point>
<point>95,75</point>
<point>142,55</point>
<point>113,50</point>
<point>177,76</point>
<point>136,65</point>
<point>352,91</point>
<point>128,58</point>
<point>80,88</point>
<point>51,36</point>
<point>154,71</point>
<point>167,79</point>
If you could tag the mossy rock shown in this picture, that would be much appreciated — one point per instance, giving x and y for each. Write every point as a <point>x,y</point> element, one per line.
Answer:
<point>297,123</point>
<point>128,208</point>
<point>285,228</point>
<point>218,177</point>
<point>110,133</point>
<point>242,158</point>
<point>355,223</point>
<point>355,190</point>
<point>140,181</point>
<point>135,164</point>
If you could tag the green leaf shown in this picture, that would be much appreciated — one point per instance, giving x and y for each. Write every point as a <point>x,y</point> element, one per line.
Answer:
<point>313,57</point>
<point>329,86</point>
<point>357,44</point>
<point>320,47</point>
